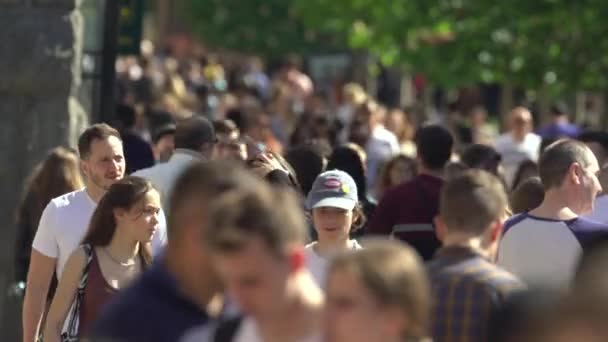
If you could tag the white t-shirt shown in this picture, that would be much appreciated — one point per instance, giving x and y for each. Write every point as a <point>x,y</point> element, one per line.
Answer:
<point>513,153</point>
<point>164,175</point>
<point>600,210</point>
<point>64,223</point>
<point>544,252</point>
<point>317,265</point>
<point>382,145</point>
<point>248,332</point>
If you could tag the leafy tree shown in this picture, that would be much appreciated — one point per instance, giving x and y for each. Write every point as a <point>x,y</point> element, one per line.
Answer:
<point>266,27</point>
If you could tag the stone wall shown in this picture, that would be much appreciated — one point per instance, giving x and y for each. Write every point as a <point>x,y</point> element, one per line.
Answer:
<point>39,74</point>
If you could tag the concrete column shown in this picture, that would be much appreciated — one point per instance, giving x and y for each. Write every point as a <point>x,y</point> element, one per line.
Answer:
<point>39,109</point>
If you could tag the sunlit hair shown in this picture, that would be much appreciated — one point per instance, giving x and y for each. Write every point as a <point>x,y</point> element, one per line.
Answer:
<point>395,276</point>
<point>56,175</point>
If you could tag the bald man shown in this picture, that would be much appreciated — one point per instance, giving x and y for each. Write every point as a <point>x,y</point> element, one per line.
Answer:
<point>519,143</point>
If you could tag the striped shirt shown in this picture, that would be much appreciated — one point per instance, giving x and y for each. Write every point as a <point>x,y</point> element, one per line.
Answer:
<point>468,290</point>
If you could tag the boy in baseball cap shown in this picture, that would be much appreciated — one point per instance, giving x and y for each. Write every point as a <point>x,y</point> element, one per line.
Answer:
<point>334,205</point>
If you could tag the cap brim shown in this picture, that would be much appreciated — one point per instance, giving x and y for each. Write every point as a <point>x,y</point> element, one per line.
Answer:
<point>342,203</point>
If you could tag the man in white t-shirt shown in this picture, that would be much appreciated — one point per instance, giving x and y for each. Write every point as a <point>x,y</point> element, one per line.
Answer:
<point>194,142</point>
<point>257,242</point>
<point>65,220</point>
<point>543,247</point>
<point>519,144</point>
<point>380,145</point>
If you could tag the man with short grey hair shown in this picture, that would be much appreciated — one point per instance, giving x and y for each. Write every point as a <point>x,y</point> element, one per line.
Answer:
<point>542,247</point>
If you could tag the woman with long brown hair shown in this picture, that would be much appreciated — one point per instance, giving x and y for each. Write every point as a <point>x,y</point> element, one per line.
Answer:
<point>114,251</point>
<point>56,175</point>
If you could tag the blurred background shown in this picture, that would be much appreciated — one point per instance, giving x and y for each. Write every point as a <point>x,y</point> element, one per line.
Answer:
<point>68,63</point>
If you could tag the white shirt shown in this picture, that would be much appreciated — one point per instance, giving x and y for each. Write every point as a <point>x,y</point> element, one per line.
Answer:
<point>544,252</point>
<point>163,176</point>
<point>600,210</point>
<point>64,223</point>
<point>381,146</point>
<point>513,152</point>
<point>248,332</point>
<point>317,265</point>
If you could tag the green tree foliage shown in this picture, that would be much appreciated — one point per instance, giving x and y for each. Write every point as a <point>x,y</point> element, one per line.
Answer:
<point>553,44</point>
<point>266,27</point>
<point>525,43</point>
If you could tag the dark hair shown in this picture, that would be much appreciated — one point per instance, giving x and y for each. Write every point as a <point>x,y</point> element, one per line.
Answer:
<point>481,156</point>
<point>95,132</point>
<point>307,163</point>
<point>556,160</point>
<point>163,131</point>
<point>434,145</point>
<point>528,195</point>
<point>226,126</point>
<point>125,116</point>
<point>521,169</point>
<point>239,215</point>
<point>348,160</point>
<point>471,201</point>
<point>123,194</point>
<point>193,132</point>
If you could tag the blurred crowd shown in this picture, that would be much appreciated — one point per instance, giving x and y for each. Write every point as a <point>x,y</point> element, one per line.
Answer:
<point>229,202</point>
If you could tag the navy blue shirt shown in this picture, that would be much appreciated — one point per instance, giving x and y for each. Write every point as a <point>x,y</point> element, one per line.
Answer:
<point>138,153</point>
<point>151,310</point>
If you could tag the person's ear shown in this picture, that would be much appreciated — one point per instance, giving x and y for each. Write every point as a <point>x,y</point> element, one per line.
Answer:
<point>440,228</point>
<point>119,214</point>
<point>84,168</point>
<point>575,173</point>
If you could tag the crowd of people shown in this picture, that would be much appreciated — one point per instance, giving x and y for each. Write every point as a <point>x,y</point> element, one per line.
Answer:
<point>235,206</point>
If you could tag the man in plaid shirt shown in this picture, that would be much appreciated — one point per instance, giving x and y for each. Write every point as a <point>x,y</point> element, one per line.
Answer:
<point>467,287</point>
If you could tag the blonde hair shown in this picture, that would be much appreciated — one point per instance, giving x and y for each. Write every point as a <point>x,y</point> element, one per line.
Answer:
<point>395,276</point>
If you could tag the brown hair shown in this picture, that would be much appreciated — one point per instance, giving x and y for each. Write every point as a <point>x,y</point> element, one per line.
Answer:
<point>395,276</point>
<point>472,200</point>
<point>408,130</point>
<point>274,215</point>
<point>56,175</point>
<point>385,172</point>
<point>123,194</point>
<point>557,158</point>
<point>528,195</point>
<point>95,132</point>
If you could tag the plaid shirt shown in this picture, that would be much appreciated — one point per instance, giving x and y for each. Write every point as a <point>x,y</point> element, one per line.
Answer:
<point>467,290</point>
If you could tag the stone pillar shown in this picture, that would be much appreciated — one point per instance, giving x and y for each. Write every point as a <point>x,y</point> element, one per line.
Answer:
<point>39,109</point>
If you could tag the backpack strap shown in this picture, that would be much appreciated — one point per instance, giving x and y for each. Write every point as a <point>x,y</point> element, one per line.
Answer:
<point>73,319</point>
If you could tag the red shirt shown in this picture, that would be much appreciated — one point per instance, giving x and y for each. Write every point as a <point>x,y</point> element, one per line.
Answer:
<point>407,212</point>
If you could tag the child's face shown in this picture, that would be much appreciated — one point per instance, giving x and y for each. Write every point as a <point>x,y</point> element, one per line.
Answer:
<point>332,224</point>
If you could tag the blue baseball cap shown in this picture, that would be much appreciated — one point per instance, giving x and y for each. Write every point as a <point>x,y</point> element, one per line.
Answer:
<point>335,189</point>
